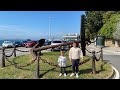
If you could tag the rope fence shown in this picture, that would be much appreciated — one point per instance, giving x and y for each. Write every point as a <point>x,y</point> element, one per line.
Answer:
<point>21,50</point>
<point>36,52</point>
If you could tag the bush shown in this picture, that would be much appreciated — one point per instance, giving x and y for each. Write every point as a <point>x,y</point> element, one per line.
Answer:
<point>110,26</point>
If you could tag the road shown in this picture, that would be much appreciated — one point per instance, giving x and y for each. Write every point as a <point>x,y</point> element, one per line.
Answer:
<point>110,55</point>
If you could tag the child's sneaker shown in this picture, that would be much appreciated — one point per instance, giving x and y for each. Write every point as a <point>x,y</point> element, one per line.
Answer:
<point>60,74</point>
<point>72,74</point>
<point>65,74</point>
<point>76,75</point>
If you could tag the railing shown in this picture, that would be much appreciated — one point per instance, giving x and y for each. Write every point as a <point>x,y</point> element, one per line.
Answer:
<point>36,50</point>
<point>94,58</point>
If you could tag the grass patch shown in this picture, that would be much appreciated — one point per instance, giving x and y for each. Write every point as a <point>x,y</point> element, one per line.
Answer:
<point>51,72</point>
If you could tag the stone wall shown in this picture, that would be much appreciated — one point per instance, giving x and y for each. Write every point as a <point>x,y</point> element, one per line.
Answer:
<point>110,43</point>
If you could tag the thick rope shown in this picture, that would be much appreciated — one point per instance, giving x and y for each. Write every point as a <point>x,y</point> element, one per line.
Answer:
<point>10,54</point>
<point>21,50</point>
<point>88,51</point>
<point>56,65</point>
<point>17,65</point>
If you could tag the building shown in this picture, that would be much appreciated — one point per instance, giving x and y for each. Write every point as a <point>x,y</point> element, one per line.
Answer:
<point>71,37</point>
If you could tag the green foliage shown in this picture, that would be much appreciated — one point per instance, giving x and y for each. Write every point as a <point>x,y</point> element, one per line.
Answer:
<point>116,34</point>
<point>110,26</point>
<point>100,22</point>
<point>107,15</point>
<point>93,22</point>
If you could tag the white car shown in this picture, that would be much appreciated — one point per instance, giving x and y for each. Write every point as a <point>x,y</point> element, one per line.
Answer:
<point>7,44</point>
<point>56,42</point>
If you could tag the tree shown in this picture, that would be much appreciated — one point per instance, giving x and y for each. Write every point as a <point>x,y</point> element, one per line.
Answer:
<point>107,15</point>
<point>93,22</point>
<point>110,26</point>
<point>116,34</point>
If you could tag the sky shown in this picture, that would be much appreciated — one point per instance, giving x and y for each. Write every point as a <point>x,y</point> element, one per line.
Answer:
<point>38,24</point>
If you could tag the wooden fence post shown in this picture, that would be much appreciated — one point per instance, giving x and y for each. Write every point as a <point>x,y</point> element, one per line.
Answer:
<point>37,65</point>
<point>3,57</point>
<point>93,62</point>
<point>14,51</point>
<point>102,54</point>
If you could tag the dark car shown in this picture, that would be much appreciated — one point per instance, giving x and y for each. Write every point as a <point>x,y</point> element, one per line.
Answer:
<point>47,43</point>
<point>17,43</point>
<point>23,43</point>
<point>30,43</point>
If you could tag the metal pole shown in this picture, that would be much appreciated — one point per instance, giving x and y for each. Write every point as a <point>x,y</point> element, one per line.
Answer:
<point>93,63</point>
<point>3,57</point>
<point>37,65</point>
<point>14,51</point>
<point>49,29</point>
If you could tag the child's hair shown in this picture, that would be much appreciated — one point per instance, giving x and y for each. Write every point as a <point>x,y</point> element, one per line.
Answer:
<point>62,52</point>
<point>77,44</point>
<point>62,49</point>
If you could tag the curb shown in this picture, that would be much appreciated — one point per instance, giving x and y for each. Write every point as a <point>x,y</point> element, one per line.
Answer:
<point>114,75</point>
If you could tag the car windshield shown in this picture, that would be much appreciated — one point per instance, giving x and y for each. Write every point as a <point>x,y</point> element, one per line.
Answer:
<point>57,42</point>
<point>24,41</point>
<point>17,42</point>
<point>7,42</point>
<point>31,41</point>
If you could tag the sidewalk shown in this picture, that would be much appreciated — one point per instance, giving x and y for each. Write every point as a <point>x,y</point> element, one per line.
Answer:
<point>112,50</point>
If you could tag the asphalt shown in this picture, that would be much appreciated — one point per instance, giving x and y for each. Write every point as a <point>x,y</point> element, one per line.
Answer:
<point>109,54</point>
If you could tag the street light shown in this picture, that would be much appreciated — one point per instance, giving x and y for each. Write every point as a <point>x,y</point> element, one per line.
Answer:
<point>49,28</point>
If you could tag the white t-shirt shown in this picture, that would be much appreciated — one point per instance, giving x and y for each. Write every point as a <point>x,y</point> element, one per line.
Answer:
<point>62,61</point>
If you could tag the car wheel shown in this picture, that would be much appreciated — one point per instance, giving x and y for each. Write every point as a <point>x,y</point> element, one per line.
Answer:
<point>52,49</point>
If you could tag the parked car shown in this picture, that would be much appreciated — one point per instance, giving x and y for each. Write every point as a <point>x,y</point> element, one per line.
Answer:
<point>23,43</point>
<point>28,40</point>
<point>7,44</point>
<point>56,42</point>
<point>47,43</point>
<point>30,43</point>
<point>17,43</point>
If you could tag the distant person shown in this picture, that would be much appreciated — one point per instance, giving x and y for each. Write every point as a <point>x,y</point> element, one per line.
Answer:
<point>74,55</point>
<point>62,63</point>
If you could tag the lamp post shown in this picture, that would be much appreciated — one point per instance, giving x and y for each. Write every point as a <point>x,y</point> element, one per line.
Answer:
<point>49,28</point>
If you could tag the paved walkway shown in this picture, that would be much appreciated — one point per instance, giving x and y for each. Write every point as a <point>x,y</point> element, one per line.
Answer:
<point>106,50</point>
<point>111,54</point>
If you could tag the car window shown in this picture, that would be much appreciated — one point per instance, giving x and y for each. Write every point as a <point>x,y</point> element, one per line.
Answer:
<point>57,42</point>
<point>29,41</point>
<point>7,42</point>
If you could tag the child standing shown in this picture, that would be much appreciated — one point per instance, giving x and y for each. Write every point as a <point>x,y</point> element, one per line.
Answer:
<point>74,55</point>
<point>62,63</point>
